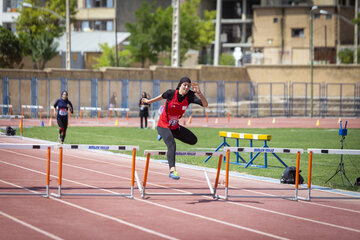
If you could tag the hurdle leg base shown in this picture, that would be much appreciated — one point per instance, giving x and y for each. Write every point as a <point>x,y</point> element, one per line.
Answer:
<point>304,199</point>
<point>56,195</point>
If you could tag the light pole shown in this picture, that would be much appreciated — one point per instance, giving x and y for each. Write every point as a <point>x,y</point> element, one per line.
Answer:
<point>217,33</point>
<point>67,22</point>
<point>115,29</point>
<point>175,43</point>
<point>68,36</point>
<point>311,61</point>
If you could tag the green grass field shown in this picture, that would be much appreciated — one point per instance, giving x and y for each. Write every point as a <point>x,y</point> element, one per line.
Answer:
<point>324,166</point>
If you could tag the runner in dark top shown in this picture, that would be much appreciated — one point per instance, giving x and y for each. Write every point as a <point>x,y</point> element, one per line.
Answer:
<point>63,104</point>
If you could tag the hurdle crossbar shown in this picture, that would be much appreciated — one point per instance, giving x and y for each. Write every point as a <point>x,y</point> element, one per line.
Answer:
<point>312,151</point>
<point>32,107</point>
<point>61,147</point>
<point>250,137</point>
<point>98,109</point>
<point>119,110</point>
<point>148,153</point>
<point>7,106</point>
<point>11,116</point>
<point>31,146</point>
<point>259,150</point>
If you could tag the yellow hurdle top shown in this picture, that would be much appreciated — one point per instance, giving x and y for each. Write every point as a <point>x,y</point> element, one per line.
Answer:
<point>245,136</point>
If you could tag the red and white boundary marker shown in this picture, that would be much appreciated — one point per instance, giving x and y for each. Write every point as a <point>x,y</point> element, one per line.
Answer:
<point>312,151</point>
<point>32,146</point>
<point>148,153</point>
<point>265,150</point>
<point>96,147</point>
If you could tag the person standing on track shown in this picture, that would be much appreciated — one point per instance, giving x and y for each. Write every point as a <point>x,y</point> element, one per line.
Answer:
<point>168,127</point>
<point>144,111</point>
<point>63,104</point>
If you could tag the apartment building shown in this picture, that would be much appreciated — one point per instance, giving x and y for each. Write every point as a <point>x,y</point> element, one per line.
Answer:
<point>100,15</point>
<point>8,13</point>
<point>266,31</point>
<point>281,31</point>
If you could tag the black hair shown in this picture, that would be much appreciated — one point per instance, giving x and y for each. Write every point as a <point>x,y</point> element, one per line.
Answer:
<point>182,80</point>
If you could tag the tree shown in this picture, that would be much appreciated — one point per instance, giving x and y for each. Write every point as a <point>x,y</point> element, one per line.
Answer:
<point>195,32</point>
<point>346,56</point>
<point>33,22</point>
<point>151,35</point>
<point>142,45</point>
<point>10,51</point>
<point>43,49</point>
<point>227,59</point>
<point>107,58</point>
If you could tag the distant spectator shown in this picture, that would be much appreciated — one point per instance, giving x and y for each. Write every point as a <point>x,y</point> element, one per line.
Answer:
<point>113,101</point>
<point>144,110</point>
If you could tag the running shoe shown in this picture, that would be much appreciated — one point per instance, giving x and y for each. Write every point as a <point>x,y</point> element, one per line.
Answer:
<point>174,175</point>
<point>159,137</point>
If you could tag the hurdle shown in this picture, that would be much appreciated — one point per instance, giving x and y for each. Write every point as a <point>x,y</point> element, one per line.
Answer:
<point>148,153</point>
<point>250,137</point>
<point>119,110</point>
<point>261,150</point>
<point>312,151</point>
<point>10,117</point>
<point>23,107</point>
<point>96,147</point>
<point>6,106</point>
<point>82,109</point>
<point>37,147</point>
<point>217,111</point>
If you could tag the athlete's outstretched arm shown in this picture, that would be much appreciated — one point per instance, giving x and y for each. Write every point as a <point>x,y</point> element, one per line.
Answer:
<point>149,101</point>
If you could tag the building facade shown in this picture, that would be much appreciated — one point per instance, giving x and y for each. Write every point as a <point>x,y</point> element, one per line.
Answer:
<point>266,31</point>
<point>282,32</point>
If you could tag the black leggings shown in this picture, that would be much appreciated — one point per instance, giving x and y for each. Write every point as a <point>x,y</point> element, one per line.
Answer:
<point>168,135</point>
<point>62,122</point>
<point>141,121</point>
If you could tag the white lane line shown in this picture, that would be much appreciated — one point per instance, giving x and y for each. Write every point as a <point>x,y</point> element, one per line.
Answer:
<point>196,180</point>
<point>96,213</point>
<point>159,205</point>
<point>249,206</point>
<point>32,227</point>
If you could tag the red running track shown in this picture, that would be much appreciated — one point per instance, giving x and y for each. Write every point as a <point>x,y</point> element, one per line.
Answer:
<point>156,217</point>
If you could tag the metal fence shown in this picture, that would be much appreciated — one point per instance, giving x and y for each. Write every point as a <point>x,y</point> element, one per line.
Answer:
<point>240,99</point>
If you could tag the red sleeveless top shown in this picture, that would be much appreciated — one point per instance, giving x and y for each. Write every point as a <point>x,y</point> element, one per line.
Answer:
<point>172,112</point>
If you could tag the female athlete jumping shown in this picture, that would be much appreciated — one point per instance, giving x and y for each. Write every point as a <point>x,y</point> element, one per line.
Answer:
<point>168,127</point>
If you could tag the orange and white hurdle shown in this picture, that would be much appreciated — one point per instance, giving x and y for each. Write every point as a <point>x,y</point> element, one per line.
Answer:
<point>119,110</point>
<point>23,107</point>
<point>82,109</point>
<point>34,147</point>
<point>261,150</point>
<point>148,154</point>
<point>96,147</point>
<point>311,152</point>
<point>7,106</point>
